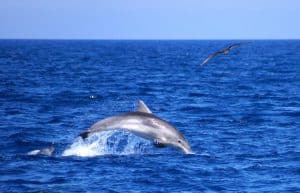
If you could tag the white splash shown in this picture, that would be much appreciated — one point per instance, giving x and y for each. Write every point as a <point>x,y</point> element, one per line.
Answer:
<point>107,143</point>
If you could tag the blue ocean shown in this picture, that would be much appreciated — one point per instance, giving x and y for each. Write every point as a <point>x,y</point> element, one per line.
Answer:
<point>240,114</point>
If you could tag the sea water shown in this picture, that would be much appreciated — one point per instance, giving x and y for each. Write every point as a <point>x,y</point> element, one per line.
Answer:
<point>240,114</point>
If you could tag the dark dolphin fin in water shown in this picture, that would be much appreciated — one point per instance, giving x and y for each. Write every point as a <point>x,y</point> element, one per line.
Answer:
<point>84,135</point>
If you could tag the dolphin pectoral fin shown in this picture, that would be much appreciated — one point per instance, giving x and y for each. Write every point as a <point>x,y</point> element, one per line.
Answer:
<point>158,143</point>
<point>142,107</point>
<point>84,135</point>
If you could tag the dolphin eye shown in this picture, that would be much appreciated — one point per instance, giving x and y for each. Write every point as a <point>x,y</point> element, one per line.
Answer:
<point>179,141</point>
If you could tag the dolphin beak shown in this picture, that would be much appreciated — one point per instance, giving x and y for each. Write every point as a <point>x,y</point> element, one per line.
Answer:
<point>187,150</point>
<point>185,147</point>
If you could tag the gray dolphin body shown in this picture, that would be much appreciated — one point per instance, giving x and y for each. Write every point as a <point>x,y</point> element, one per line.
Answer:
<point>144,124</point>
<point>46,151</point>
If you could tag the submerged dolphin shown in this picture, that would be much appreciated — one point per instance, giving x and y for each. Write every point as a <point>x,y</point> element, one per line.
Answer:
<point>144,124</point>
<point>46,151</point>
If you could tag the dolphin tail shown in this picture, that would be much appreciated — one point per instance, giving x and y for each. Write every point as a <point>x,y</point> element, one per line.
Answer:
<point>84,135</point>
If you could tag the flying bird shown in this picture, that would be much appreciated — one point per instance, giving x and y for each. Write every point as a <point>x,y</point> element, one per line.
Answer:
<point>223,51</point>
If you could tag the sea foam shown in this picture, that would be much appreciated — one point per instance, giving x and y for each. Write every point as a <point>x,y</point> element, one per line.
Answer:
<point>108,143</point>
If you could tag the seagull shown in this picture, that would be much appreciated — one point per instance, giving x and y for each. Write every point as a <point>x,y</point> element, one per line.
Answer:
<point>223,51</point>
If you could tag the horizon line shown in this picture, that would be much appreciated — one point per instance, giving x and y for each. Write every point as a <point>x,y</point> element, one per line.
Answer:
<point>151,39</point>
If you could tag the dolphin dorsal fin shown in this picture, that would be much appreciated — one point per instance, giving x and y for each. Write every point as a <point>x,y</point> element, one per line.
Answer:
<point>142,107</point>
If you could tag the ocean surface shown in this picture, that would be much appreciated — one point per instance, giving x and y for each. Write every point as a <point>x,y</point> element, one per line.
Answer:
<point>240,114</point>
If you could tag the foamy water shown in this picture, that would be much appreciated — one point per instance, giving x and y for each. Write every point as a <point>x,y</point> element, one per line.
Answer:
<point>107,143</point>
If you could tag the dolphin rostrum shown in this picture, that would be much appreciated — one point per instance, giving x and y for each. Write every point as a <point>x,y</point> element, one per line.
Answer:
<point>144,124</point>
<point>46,151</point>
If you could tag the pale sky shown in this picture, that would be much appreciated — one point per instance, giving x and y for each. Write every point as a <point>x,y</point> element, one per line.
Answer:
<point>150,19</point>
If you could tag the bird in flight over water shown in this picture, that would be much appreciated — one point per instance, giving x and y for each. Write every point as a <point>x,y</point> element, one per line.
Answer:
<point>223,51</point>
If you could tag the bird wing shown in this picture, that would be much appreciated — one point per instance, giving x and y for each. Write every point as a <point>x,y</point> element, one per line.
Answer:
<point>222,51</point>
<point>211,57</point>
<point>235,45</point>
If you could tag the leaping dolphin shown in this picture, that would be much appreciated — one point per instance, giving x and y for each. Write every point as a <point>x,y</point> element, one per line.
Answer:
<point>144,124</point>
